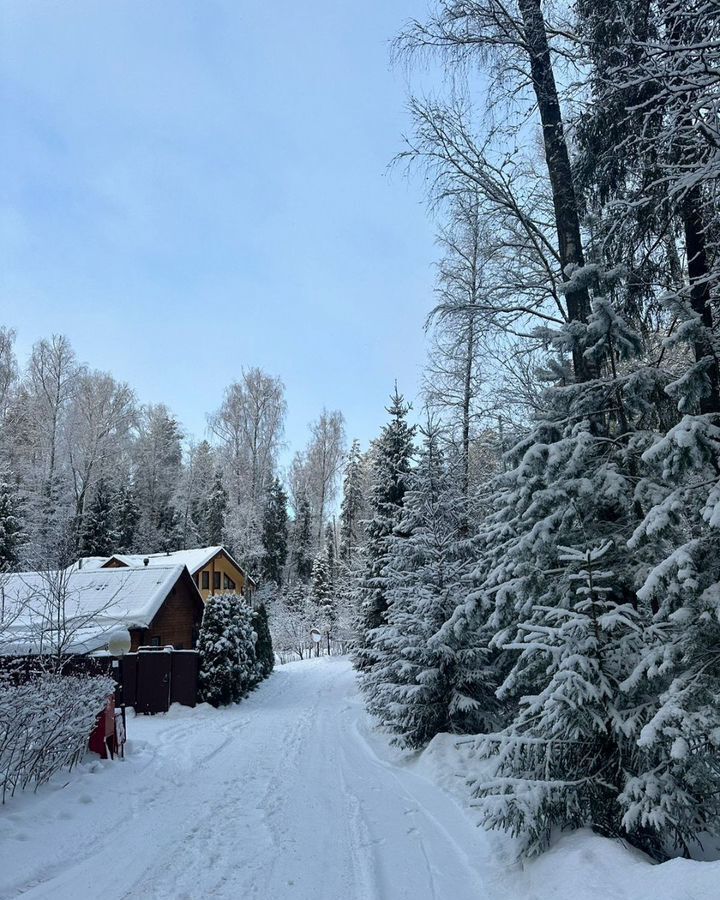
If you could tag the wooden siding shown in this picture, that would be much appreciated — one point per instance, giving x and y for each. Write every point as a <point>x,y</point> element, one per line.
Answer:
<point>177,621</point>
<point>224,567</point>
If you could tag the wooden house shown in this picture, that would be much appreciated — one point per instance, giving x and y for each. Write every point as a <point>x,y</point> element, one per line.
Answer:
<point>213,569</point>
<point>78,609</point>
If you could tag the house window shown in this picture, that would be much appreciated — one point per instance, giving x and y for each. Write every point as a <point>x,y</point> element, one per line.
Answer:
<point>206,581</point>
<point>228,583</point>
<point>216,580</point>
<point>155,640</point>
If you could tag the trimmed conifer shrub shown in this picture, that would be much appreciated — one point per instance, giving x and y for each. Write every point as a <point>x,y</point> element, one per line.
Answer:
<point>227,650</point>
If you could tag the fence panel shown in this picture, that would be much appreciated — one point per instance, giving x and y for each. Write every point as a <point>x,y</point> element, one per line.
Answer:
<point>149,680</point>
<point>128,679</point>
<point>184,677</point>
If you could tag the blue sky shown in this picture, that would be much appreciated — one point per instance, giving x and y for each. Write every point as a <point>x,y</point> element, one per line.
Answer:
<point>190,186</point>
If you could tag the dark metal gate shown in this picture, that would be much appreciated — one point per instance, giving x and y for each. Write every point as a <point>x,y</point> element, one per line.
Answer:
<point>153,679</point>
<point>153,682</point>
<point>184,667</point>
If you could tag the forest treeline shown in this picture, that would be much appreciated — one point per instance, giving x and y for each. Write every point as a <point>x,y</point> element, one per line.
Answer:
<point>87,469</point>
<point>541,567</point>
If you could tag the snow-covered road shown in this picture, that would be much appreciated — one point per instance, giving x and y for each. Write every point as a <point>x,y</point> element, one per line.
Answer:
<point>292,795</point>
<point>280,797</point>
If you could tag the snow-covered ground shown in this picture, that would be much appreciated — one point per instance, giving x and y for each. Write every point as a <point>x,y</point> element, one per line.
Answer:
<point>292,795</point>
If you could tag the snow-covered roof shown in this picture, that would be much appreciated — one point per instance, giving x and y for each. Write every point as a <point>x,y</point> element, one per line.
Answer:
<point>94,603</point>
<point>195,559</point>
<point>88,563</point>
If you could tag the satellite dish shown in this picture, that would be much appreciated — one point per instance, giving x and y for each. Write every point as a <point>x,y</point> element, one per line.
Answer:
<point>119,642</point>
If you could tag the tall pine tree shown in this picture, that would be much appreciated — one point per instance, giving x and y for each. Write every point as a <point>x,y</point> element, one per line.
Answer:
<point>275,533</point>
<point>302,539</point>
<point>352,508</point>
<point>575,474</point>
<point>98,536</point>
<point>391,459</point>
<point>423,680</point>
<point>215,509</point>
<point>127,516</point>
<point>12,536</point>
<point>330,553</point>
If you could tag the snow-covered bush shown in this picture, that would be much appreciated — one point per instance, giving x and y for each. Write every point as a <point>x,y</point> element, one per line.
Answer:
<point>227,650</point>
<point>45,725</point>
<point>290,621</point>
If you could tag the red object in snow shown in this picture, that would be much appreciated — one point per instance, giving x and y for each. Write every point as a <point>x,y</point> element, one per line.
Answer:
<point>103,739</point>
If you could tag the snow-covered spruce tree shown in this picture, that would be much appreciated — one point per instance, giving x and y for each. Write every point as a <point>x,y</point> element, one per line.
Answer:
<point>321,587</point>
<point>322,596</point>
<point>169,534</point>
<point>564,759</point>
<point>127,516</point>
<point>302,539</point>
<point>676,794</point>
<point>12,536</point>
<point>391,458</point>
<point>264,653</point>
<point>354,503</point>
<point>227,650</point>
<point>275,533</point>
<point>350,563</point>
<point>651,152</point>
<point>423,681</point>
<point>247,656</point>
<point>98,536</point>
<point>331,552</point>
<point>158,463</point>
<point>198,474</point>
<point>575,475</point>
<point>215,509</point>
<point>295,596</point>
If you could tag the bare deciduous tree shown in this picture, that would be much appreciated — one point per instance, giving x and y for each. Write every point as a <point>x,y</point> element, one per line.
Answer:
<point>249,425</point>
<point>99,420</point>
<point>323,462</point>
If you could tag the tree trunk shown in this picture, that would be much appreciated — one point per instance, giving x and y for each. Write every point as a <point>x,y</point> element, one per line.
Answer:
<point>567,220</point>
<point>691,214</point>
<point>699,276</point>
<point>470,357</point>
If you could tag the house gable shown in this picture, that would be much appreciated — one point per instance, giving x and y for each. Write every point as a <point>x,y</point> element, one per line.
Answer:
<point>177,621</point>
<point>222,575</point>
<point>213,569</point>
